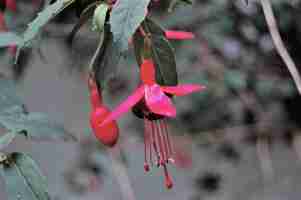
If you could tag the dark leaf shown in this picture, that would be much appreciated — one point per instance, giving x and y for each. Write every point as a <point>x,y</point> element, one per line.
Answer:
<point>161,50</point>
<point>187,1</point>
<point>84,17</point>
<point>35,125</point>
<point>23,178</point>
<point>173,4</point>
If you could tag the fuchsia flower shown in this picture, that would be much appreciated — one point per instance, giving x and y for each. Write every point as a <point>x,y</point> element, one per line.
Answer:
<point>155,106</point>
<point>153,94</point>
<point>178,35</point>
<point>108,134</point>
<point>11,5</point>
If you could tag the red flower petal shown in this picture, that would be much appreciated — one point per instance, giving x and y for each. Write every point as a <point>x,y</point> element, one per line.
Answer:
<point>178,35</point>
<point>11,5</point>
<point>107,134</point>
<point>158,102</point>
<point>125,105</point>
<point>147,72</point>
<point>182,90</point>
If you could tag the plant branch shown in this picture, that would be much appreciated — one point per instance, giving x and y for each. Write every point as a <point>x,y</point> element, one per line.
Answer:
<point>278,42</point>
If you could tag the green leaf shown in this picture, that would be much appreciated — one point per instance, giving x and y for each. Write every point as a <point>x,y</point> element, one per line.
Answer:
<point>8,94</point>
<point>35,125</point>
<point>9,38</point>
<point>6,139</point>
<point>41,20</point>
<point>99,17</point>
<point>125,18</point>
<point>23,178</point>
<point>16,119</point>
<point>175,3</point>
<point>161,50</point>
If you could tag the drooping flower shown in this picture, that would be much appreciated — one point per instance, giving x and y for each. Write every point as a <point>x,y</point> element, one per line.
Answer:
<point>109,133</point>
<point>178,35</point>
<point>11,5</point>
<point>153,94</point>
<point>151,103</point>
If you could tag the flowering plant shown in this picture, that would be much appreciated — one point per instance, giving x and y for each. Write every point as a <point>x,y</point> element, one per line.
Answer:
<point>120,26</point>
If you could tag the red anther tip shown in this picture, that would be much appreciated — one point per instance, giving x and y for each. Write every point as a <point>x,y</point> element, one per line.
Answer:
<point>168,183</point>
<point>146,167</point>
<point>161,162</point>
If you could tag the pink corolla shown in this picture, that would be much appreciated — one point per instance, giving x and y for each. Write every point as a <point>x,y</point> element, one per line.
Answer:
<point>154,106</point>
<point>154,94</point>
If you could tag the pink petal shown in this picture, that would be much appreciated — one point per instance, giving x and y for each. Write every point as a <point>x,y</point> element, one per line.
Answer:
<point>182,90</point>
<point>158,102</point>
<point>178,35</point>
<point>125,105</point>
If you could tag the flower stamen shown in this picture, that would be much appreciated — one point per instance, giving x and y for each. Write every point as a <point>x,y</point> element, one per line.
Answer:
<point>156,138</point>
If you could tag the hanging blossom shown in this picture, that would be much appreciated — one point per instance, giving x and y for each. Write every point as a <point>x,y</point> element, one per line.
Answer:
<point>154,105</point>
<point>109,133</point>
<point>11,5</point>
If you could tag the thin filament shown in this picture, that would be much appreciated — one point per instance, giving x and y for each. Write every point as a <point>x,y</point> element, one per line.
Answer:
<point>165,139</point>
<point>168,137</point>
<point>146,141</point>
<point>162,141</point>
<point>155,142</point>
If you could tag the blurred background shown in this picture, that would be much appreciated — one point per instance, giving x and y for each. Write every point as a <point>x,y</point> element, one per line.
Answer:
<point>240,139</point>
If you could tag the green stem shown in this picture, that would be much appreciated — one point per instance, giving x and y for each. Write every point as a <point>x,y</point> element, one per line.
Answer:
<point>93,60</point>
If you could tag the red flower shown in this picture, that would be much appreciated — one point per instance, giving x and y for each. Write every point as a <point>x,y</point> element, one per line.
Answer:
<point>11,5</point>
<point>178,35</point>
<point>153,94</point>
<point>156,106</point>
<point>109,133</point>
